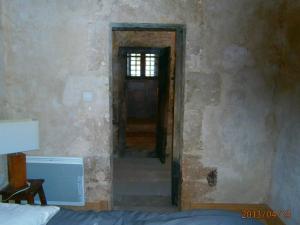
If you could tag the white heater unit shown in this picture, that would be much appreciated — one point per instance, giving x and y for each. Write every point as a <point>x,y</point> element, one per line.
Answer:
<point>64,179</point>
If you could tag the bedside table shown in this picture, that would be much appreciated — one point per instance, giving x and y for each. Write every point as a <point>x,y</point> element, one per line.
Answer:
<point>36,187</point>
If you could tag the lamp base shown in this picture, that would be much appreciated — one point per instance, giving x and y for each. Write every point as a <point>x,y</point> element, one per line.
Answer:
<point>16,164</point>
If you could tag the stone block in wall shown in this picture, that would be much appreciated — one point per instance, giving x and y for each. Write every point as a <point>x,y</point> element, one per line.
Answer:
<point>195,186</point>
<point>97,178</point>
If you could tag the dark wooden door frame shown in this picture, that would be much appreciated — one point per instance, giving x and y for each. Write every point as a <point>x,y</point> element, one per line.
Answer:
<point>163,100</point>
<point>180,31</point>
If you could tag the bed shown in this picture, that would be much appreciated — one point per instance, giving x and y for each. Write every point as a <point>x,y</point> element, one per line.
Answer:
<point>200,217</point>
<point>51,215</point>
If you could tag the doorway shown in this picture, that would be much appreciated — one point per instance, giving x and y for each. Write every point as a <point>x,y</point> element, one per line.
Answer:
<point>148,101</point>
<point>145,64</point>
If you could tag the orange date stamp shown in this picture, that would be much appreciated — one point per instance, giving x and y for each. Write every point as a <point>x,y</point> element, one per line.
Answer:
<point>265,214</point>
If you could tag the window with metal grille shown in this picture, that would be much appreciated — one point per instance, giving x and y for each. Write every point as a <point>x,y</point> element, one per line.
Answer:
<point>150,65</point>
<point>142,65</point>
<point>134,64</point>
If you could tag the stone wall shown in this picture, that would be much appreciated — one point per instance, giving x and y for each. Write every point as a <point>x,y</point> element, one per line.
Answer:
<point>286,174</point>
<point>56,50</point>
<point>229,103</point>
<point>1,60</point>
<point>3,166</point>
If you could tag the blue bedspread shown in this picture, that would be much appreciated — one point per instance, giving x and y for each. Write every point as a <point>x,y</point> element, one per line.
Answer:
<point>196,217</point>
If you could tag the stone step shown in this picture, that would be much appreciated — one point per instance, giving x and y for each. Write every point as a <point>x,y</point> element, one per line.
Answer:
<point>146,163</point>
<point>141,125</point>
<point>142,184</point>
<point>141,140</point>
<point>159,209</point>
<point>143,170</point>
<point>144,201</point>
<point>142,188</point>
<point>141,128</point>
<point>142,175</point>
<point>141,134</point>
<point>139,153</point>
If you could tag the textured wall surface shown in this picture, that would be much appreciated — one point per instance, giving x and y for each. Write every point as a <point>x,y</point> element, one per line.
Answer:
<point>55,50</point>
<point>1,60</point>
<point>285,193</point>
<point>3,166</point>
<point>228,108</point>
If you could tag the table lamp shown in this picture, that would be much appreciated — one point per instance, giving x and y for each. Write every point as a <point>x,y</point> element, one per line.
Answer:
<point>17,136</point>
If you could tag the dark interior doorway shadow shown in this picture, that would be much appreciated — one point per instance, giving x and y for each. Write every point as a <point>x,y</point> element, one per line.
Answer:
<point>146,99</point>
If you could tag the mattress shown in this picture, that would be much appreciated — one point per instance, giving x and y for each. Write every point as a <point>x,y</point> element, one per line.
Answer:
<point>196,217</point>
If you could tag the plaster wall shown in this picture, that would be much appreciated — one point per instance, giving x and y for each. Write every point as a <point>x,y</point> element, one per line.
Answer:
<point>286,173</point>
<point>3,166</point>
<point>1,59</point>
<point>56,50</point>
<point>229,117</point>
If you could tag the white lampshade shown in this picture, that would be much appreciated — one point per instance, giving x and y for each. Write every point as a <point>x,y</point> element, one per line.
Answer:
<point>18,136</point>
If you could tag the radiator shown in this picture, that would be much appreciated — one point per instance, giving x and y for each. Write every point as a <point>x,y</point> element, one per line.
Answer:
<point>64,179</point>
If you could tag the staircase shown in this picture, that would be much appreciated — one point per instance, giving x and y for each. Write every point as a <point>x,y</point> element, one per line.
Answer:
<point>142,184</point>
<point>141,134</point>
